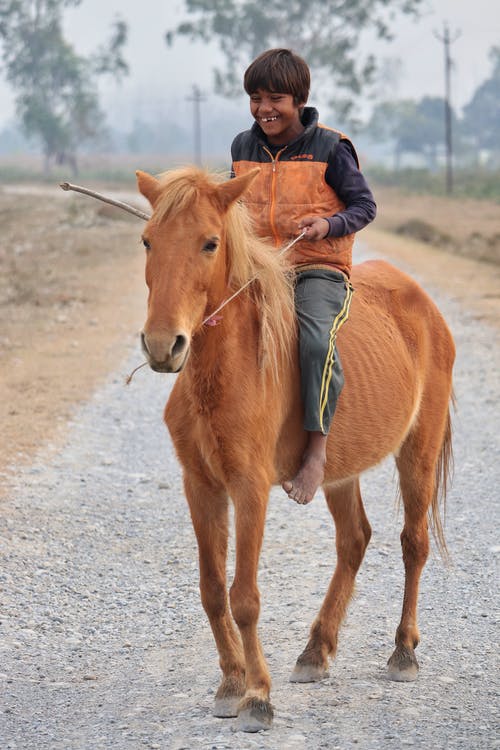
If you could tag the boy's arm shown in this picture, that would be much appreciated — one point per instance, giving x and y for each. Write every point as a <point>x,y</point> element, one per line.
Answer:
<point>344,177</point>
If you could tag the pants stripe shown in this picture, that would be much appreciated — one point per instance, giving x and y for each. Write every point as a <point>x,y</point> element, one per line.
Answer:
<point>330,357</point>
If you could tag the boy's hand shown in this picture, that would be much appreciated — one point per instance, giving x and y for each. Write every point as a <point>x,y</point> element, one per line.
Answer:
<point>315,227</point>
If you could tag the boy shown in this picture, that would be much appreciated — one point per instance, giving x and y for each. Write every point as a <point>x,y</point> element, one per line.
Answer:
<point>309,181</point>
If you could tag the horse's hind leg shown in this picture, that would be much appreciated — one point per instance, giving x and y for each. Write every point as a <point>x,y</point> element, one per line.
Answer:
<point>352,536</point>
<point>208,504</point>
<point>416,462</point>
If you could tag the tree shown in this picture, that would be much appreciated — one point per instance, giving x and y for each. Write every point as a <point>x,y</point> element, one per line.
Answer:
<point>481,120</point>
<point>327,33</point>
<point>55,88</point>
<point>425,133</point>
<point>387,123</point>
<point>413,127</point>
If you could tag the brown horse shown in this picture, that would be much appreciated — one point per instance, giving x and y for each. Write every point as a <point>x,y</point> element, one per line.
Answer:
<point>235,416</point>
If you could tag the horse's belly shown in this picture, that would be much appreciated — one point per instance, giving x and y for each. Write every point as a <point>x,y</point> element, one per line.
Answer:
<point>379,402</point>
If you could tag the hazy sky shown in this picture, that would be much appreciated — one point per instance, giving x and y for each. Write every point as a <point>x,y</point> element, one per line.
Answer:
<point>162,77</point>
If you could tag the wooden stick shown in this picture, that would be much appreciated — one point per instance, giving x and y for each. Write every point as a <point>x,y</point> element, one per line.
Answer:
<point>111,201</point>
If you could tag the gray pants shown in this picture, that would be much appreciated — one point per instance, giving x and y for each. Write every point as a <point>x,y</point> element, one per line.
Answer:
<point>322,301</point>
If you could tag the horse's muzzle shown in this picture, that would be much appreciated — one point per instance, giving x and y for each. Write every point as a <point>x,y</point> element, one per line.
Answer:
<point>165,353</point>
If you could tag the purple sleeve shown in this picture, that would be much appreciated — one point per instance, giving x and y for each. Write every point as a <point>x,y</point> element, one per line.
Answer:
<point>344,177</point>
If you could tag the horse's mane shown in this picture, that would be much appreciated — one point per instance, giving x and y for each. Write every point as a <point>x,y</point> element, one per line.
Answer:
<point>248,257</point>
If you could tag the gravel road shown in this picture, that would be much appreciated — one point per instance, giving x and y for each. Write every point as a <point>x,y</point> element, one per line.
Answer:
<point>103,640</point>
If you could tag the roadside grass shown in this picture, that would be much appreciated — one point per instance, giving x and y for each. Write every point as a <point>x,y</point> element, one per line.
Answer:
<point>478,183</point>
<point>108,169</point>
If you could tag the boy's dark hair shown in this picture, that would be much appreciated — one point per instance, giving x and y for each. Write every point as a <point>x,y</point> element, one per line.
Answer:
<point>280,71</point>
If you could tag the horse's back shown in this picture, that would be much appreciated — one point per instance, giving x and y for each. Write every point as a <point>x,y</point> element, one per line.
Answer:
<point>379,282</point>
<point>389,296</point>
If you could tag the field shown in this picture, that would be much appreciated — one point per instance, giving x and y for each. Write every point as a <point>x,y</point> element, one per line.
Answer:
<point>72,295</point>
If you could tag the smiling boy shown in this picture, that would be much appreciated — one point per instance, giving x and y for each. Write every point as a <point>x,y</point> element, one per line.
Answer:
<point>309,181</point>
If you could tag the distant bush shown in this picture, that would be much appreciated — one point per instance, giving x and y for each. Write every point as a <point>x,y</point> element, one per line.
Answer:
<point>424,232</point>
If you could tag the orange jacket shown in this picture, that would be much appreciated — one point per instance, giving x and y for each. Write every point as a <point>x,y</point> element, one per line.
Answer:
<point>290,186</point>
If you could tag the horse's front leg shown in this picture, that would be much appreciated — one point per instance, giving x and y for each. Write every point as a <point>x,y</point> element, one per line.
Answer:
<point>250,501</point>
<point>208,503</point>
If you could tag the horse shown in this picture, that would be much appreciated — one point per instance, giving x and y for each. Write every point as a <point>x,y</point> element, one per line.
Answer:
<point>235,416</point>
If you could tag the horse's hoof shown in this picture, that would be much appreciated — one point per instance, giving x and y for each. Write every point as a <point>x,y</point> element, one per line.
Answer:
<point>403,665</point>
<point>308,673</point>
<point>226,708</point>
<point>254,715</point>
<point>228,697</point>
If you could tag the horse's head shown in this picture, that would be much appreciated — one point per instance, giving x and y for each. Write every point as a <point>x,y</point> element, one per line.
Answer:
<point>186,258</point>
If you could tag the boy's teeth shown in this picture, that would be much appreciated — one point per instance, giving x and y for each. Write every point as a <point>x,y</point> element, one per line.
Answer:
<point>269,119</point>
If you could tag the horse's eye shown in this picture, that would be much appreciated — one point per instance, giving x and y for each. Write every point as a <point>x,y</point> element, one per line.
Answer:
<point>146,243</point>
<point>211,245</point>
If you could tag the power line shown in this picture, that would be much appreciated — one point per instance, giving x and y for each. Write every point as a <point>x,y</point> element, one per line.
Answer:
<point>197,98</point>
<point>447,41</point>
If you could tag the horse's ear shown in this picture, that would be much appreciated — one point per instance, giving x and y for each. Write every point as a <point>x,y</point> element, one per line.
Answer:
<point>148,185</point>
<point>231,190</point>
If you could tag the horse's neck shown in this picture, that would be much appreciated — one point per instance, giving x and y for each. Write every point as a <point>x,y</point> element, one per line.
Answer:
<point>222,334</point>
<point>227,351</point>
<point>226,379</point>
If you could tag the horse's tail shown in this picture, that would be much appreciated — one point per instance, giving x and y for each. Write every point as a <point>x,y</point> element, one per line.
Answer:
<point>444,472</point>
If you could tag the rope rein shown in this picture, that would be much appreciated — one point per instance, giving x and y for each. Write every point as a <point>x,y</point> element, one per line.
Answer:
<point>212,317</point>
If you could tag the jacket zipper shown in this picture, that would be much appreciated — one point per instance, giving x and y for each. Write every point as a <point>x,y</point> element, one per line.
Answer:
<point>272,208</point>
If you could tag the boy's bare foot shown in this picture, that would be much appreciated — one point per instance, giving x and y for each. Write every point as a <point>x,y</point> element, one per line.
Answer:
<point>303,486</point>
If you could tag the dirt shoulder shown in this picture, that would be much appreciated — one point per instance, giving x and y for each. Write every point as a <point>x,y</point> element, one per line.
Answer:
<point>469,228</point>
<point>453,244</point>
<point>473,284</point>
<point>72,299</point>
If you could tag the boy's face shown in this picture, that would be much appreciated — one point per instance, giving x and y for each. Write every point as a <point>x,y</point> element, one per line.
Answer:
<point>277,115</point>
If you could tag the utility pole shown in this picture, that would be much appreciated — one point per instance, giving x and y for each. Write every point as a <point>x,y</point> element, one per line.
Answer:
<point>197,98</point>
<point>447,41</point>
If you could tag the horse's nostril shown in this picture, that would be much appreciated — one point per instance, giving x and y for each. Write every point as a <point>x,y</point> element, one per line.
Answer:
<point>179,345</point>
<point>161,348</point>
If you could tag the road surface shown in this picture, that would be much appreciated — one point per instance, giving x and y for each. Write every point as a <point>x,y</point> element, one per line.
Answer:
<point>104,643</point>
